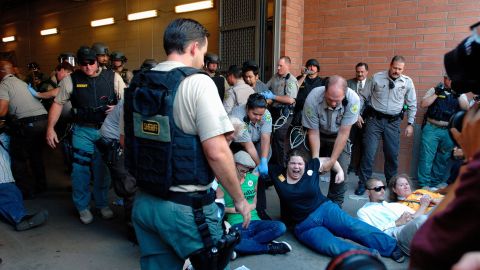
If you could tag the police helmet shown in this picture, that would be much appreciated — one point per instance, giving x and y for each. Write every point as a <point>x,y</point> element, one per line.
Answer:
<point>250,64</point>
<point>117,55</point>
<point>67,57</point>
<point>211,58</point>
<point>313,62</point>
<point>100,48</point>
<point>85,53</point>
<point>33,66</point>
<point>148,64</point>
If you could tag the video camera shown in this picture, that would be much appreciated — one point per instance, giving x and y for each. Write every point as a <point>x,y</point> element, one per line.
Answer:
<point>461,67</point>
<point>461,64</point>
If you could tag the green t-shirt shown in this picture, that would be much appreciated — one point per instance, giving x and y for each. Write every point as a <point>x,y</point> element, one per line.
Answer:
<point>248,189</point>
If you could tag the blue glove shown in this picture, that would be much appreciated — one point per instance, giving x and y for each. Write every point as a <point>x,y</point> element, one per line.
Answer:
<point>263,166</point>
<point>268,95</point>
<point>32,91</point>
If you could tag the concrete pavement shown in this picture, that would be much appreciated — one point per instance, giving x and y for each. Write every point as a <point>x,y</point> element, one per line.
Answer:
<point>65,243</point>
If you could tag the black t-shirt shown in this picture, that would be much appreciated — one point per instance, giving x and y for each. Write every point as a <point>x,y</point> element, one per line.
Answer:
<point>303,198</point>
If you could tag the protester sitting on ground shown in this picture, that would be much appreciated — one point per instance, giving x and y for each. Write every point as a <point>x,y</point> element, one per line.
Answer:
<point>12,209</point>
<point>320,223</point>
<point>259,237</point>
<point>395,219</point>
<point>401,191</point>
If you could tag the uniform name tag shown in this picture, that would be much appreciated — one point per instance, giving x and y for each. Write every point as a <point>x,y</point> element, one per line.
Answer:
<point>156,128</point>
<point>82,85</point>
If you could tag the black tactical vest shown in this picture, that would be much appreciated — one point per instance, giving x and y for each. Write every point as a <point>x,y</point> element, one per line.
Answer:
<point>91,95</point>
<point>157,153</point>
<point>443,107</point>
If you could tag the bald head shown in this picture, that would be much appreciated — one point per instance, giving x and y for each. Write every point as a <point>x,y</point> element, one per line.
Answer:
<point>335,90</point>
<point>6,68</point>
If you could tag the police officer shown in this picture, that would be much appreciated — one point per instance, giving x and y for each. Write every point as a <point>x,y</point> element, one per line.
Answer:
<point>27,121</point>
<point>118,65</point>
<point>93,92</point>
<point>211,66</point>
<point>102,54</point>
<point>284,89</point>
<point>362,85</point>
<point>163,213</point>
<point>393,93</point>
<point>250,76</point>
<point>328,114</point>
<point>254,138</point>
<point>238,92</point>
<point>436,146</point>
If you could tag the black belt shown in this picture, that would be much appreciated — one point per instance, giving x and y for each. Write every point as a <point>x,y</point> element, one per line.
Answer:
<point>32,119</point>
<point>380,115</point>
<point>191,198</point>
<point>90,125</point>
<point>328,136</point>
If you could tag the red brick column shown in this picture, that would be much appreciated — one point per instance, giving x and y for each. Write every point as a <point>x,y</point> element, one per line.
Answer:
<point>292,33</point>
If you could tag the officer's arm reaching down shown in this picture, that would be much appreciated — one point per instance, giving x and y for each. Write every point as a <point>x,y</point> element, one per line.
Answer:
<point>220,159</point>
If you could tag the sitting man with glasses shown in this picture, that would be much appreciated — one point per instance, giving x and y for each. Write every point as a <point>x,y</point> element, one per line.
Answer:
<point>394,219</point>
<point>93,92</point>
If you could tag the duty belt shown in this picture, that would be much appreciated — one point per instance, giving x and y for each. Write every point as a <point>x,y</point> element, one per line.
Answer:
<point>189,198</point>
<point>90,125</point>
<point>380,115</point>
<point>32,119</point>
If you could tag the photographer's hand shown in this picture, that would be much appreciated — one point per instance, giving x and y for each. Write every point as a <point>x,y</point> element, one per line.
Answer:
<point>468,138</point>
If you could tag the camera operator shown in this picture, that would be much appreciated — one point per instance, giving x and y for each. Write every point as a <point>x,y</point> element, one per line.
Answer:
<point>436,145</point>
<point>453,228</point>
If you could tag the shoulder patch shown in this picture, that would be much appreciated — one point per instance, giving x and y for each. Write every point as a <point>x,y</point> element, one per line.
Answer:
<point>309,111</point>
<point>354,108</point>
<point>292,84</point>
<point>267,118</point>
<point>281,178</point>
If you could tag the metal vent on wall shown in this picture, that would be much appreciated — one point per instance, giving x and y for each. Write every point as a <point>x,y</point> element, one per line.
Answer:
<point>237,31</point>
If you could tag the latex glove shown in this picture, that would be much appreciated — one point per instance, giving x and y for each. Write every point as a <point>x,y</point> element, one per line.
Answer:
<point>263,166</point>
<point>32,91</point>
<point>268,95</point>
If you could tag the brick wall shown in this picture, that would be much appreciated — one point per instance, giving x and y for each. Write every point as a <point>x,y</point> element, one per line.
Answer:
<point>292,32</point>
<point>341,33</point>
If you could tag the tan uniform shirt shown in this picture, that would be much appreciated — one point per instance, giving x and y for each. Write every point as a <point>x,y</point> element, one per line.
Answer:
<point>237,95</point>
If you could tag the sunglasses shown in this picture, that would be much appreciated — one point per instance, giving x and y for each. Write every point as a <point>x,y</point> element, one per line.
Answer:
<point>377,189</point>
<point>86,63</point>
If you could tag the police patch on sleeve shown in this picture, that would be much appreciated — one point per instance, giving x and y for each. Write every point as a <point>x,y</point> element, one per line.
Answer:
<point>354,108</point>
<point>309,111</point>
<point>267,118</point>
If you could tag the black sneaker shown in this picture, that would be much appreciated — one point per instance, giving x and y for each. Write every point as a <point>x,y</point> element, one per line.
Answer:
<point>32,221</point>
<point>279,247</point>
<point>360,189</point>
<point>397,255</point>
<point>262,214</point>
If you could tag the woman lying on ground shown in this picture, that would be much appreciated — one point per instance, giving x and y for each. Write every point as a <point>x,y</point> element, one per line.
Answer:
<point>400,191</point>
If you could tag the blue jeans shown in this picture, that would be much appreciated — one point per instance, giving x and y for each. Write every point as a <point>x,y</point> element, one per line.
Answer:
<point>167,233</point>
<point>434,156</point>
<point>389,132</point>
<point>255,239</point>
<point>324,229</point>
<point>86,159</point>
<point>11,203</point>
